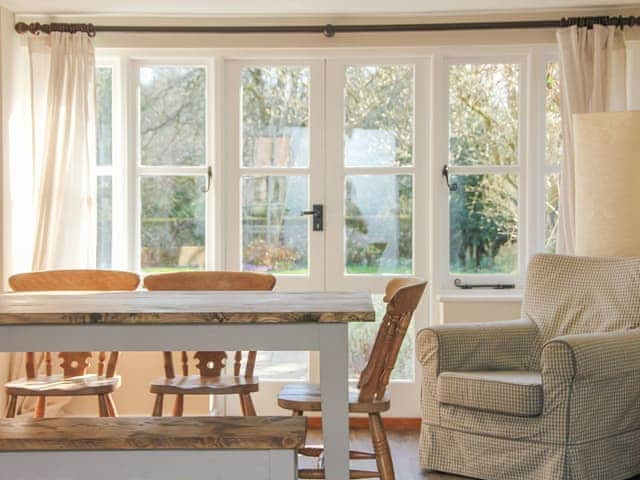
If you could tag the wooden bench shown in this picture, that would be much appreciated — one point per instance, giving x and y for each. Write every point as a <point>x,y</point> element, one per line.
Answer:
<point>168,448</point>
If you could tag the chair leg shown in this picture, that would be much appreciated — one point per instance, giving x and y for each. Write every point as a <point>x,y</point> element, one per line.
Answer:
<point>178,406</point>
<point>157,405</point>
<point>381,447</point>
<point>41,407</point>
<point>243,405</point>
<point>111,406</point>
<point>12,406</point>
<point>248,409</point>
<point>103,408</point>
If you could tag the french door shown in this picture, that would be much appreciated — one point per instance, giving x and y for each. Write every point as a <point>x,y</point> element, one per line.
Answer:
<point>325,186</point>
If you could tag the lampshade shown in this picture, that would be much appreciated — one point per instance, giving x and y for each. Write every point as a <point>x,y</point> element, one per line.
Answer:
<point>607,181</point>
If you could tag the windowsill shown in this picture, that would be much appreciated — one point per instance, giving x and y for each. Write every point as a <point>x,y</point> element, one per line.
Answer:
<point>477,295</point>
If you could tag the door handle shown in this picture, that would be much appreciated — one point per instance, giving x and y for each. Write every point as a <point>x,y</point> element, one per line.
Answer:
<point>318,217</point>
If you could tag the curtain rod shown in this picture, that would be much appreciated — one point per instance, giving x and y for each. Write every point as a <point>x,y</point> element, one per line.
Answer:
<point>329,30</point>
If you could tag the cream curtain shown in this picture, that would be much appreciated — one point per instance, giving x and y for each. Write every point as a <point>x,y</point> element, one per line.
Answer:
<point>593,76</point>
<point>63,101</point>
<point>52,182</point>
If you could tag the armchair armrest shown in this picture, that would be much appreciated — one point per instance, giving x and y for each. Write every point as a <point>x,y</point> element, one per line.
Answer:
<point>478,346</point>
<point>595,356</point>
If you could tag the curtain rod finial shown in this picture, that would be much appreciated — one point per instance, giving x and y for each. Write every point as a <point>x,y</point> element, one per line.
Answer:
<point>22,27</point>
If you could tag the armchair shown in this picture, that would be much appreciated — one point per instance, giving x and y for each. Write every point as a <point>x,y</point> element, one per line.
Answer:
<point>554,395</point>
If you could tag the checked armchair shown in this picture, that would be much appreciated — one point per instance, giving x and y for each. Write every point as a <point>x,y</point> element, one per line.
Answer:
<point>554,395</point>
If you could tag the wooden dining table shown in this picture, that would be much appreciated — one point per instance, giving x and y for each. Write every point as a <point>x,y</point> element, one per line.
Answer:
<point>159,321</point>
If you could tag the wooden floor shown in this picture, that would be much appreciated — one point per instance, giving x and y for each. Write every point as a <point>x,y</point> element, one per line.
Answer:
<point>404,447</point>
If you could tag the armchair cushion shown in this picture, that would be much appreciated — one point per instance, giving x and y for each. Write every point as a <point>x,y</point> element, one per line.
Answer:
<point>510,392</point>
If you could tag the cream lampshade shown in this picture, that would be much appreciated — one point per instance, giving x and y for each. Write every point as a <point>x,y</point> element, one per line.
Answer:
<point>607,181</point>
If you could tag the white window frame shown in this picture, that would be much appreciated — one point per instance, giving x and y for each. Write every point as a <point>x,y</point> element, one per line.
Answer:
<point>118,162</point>
<point>136,171</point>
<point>530,168</point>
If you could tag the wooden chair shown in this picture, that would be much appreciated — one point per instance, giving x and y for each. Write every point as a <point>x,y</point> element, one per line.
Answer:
<point>74,380</point>
<point>402,296</point>
<point>210,379</point>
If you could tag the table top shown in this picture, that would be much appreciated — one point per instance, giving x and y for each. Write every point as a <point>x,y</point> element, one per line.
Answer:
<point>184,307</point>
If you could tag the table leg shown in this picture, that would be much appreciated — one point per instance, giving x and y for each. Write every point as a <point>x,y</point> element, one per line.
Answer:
<point>334,384</point>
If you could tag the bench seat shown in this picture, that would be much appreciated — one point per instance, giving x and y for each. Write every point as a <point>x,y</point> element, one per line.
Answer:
<point>151,447</point>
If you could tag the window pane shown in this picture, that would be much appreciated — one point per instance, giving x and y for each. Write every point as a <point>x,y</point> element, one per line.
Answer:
<point>378,115</point>
<point>483,220</point>
<point>362,336</point>
<point>379,224</point>
<point>275,116</point>
<point>105,223</point>
<point>553,119</point>
<point>173,115</point>
<point>275,236</point>
<point>282,365</point>
<point>483,114</point>
<point>104,117</point>
<point>552,188</point>
<point>172,223</point>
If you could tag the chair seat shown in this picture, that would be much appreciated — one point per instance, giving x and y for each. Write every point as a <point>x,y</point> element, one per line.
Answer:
<point>197,385</point>
<point>58,386</point>
<point>305,397</point>
<point>511,392</point>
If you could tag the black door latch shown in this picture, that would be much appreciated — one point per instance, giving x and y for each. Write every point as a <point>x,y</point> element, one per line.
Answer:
<point>318,217</point>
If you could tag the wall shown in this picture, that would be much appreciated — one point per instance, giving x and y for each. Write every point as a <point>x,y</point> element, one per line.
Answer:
<point>478,308</point>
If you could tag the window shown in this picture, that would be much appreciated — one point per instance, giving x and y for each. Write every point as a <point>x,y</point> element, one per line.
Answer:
<point>275,136</point>
<point>378,144</point>
<point>171,166</point>
<point>104,168</point>
<point>553,155</point>
<point>484,163</point>
<point>504,146</point>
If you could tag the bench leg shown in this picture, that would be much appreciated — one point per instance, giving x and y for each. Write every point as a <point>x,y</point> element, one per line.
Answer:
<point>41,407</point>
<point>12,406</point>
<point>178,406</point>
<point>102,405</point>
<point>248,409</point>
<point>157,406</point>
<point>111,406</point>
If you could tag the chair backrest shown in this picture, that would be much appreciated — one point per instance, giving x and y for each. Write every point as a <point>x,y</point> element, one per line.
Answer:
<point>74,280</point>
<point>568,295</point>
<point>73,363</point>
<point>402,296</point>
<point>210,364</point>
